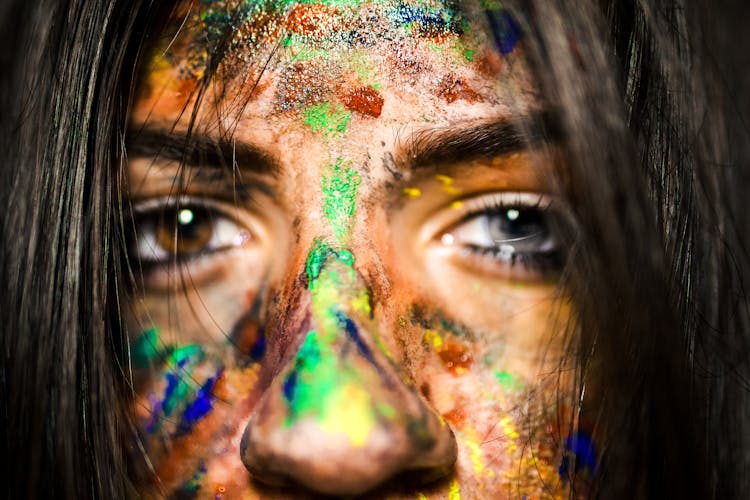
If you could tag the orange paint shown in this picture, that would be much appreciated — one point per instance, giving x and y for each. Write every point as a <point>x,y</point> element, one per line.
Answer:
<point>453,89</point>
<point>456,357</point>
<point>455,417</point>
<point>314,20</point>
<point>364,100</point>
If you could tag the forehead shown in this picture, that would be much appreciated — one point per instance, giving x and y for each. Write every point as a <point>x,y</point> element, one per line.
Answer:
<point>330,59</point>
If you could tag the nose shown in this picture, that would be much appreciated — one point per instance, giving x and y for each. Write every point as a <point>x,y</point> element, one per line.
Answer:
<point>338,418</point>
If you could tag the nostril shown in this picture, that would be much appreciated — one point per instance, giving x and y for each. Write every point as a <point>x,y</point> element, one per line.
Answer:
<point>329,464</point>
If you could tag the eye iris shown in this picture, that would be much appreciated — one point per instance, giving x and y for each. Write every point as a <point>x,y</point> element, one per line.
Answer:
<point>184,231</point>
<point>516,224</point>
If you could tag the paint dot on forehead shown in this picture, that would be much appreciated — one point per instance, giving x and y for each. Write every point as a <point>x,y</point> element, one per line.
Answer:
<point>364,100</point>
<point>313,20</point>
<point>452,88</point>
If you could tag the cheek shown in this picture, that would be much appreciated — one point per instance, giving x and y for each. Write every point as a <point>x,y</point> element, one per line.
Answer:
<point>502,410</point>
<point>194,392</point>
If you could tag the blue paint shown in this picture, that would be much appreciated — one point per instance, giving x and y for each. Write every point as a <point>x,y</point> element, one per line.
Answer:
<point>578,446</point>
<point>506,32</point>
<point>353,333</point>
<point>290,386</point>
<point>200,407</point>
<point>259,349</point>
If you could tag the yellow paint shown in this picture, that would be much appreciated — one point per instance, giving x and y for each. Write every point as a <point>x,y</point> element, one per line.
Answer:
<point>444,179</point>
<point>412,192</point>
<point>457,205</point>
<point>351,414</point>
<point>434,338</point>
<point>422,496</point>
<point>510,432</point>
<point>454,493</point>
<point>476,457</point>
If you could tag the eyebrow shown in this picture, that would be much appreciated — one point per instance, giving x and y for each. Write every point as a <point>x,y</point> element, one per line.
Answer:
<point>498,138</point>
<point>199,150</point>
<point>423,149</point>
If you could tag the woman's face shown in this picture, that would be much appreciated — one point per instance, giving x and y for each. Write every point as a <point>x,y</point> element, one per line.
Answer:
<point>346,282</point>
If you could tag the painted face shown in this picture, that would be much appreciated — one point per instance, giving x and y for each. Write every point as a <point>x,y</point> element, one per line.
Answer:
<point>346,282</point>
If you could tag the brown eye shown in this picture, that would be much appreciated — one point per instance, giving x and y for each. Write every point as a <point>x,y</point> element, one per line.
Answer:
<point>169,232</point>
<point>184,231</point>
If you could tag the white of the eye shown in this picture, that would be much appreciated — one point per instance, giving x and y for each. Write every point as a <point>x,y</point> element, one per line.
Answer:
<point>147,247</point>
<point>474,232</point>
<point>227,234</point>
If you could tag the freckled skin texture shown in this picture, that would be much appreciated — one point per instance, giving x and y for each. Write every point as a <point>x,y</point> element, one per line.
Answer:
<point>342,340</point>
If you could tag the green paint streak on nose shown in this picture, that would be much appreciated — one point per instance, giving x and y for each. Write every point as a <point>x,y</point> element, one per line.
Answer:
<point>323,385</point>
<point>339,198</point>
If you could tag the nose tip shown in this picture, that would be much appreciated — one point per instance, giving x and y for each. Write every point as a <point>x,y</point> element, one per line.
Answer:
<point>338,420</point>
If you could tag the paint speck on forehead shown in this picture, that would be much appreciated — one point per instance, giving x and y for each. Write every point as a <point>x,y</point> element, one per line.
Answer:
<point>364,100</point>
<point>328,119</point>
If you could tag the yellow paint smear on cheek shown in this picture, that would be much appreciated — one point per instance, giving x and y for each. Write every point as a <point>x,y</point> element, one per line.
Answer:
<point>506,424</point>
<point>455,492</point>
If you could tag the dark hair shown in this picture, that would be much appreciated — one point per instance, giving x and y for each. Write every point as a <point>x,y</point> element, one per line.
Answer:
<point>650,102</point>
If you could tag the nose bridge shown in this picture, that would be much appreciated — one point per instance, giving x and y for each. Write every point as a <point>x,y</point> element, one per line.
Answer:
<point>338,418</point>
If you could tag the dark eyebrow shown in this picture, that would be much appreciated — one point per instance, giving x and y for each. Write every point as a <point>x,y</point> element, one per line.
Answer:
<point>198,150</point>
<point>448,146</point>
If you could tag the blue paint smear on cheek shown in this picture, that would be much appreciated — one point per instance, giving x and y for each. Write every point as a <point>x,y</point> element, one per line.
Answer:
<point>579,446</point>
<point>290,386</point>
<point>200,407</point>
<point>506,32</point>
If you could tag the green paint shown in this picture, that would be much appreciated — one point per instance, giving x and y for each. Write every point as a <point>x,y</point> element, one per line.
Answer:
<point>327,120</point>
<point>493,5</point>
<point>145,348</point>
<point>363,66</point>
<point>508,381</point>
<point>191,352</point>
<point>339,197</point>
<point>327,387</point>
<point>469,55</point>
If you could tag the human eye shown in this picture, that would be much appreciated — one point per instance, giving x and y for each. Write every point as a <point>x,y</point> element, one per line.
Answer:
<point>504,234</point>
<point>184,229</point>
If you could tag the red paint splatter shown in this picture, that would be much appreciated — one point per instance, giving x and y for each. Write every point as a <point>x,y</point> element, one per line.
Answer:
<point>452,89</point>
<point>364,100</point>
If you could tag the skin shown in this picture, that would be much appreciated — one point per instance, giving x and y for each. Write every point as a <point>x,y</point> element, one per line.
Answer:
<point>338,336</point>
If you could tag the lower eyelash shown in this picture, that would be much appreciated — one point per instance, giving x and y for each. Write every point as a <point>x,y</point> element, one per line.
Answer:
<point>538,262</point>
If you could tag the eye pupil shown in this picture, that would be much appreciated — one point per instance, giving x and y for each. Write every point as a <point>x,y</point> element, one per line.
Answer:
<point>185,231</point>
<point>517,224</point>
